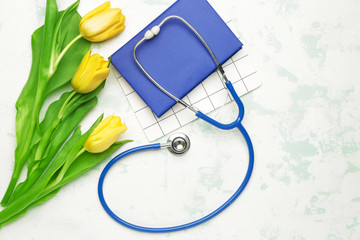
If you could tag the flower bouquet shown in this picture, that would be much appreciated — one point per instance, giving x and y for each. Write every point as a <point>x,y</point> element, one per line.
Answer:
<point>54,149</point>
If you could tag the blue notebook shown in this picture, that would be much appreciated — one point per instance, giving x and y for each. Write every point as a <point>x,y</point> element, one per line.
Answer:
<point>175,58</point>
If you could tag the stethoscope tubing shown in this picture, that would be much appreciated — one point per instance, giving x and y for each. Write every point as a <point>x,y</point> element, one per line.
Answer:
<point>183,226</point>
<point>236,124</point>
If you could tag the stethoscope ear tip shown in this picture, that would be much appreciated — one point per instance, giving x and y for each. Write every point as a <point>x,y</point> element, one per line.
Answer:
<point>178,143</point>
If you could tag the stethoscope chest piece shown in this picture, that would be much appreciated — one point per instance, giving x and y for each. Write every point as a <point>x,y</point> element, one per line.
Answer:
<point>178,143</point>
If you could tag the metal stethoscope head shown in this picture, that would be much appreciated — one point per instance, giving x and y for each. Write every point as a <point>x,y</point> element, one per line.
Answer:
<point>177,143</point>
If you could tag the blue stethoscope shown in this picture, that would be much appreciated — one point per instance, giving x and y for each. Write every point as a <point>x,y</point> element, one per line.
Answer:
<point>179,143</point>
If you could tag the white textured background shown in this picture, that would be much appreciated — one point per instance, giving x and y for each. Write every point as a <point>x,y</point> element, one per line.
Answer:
<point>304,122</point>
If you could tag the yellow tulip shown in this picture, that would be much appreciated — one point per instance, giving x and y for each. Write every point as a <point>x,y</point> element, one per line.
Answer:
<point>102,23</point>
<point>105,134</point>
<point>92,71</point>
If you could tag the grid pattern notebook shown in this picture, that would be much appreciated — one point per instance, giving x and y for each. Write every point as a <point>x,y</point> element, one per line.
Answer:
<point>207,96</point>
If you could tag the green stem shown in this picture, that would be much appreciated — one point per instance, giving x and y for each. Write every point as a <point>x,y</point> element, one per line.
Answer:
<point>66,49</point>
<point>80,152</point>
<point>62,109</point>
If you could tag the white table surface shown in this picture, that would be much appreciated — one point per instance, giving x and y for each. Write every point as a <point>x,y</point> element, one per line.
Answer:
<point>304,121</point>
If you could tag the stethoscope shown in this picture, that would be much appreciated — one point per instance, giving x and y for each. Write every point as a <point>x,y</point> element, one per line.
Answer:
<point>179,143</point>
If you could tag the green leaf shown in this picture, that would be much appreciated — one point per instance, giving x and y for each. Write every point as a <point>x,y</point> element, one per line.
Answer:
<point>28,197</point>
<point>69,151</point>
<point>61,156</point>
<point>83,104</point>
<point>71,60</point>
<point>88,160</point>
<point>25,102</point>
<point>66,126</point>
<point>21,185</point>
<point>46,55</point>
<point>24,107</point>
<point>37,202</point>
<point>50,116</point>
<point>62,26</point>
<point>84,163</point>
<point>59,136</point>
<point>32,96</point>
<point>52,111</point>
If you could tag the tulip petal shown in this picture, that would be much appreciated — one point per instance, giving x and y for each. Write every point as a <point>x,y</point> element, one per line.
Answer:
<point>83,84</point>
<point>81,67</point>
<point>94,61</point>
<point>106,139</point>
<point>105,134</point>
<point>102,63</point>
<point>115,122</point>
<point>100,22</point>
<point>84,61</point>
<point>92,71</point>
<point>102,125</point>
<point>109,34</point>
<point>97,78</point>
<point>102,7</point>
<point>105,64</point>
<point>100,76</point>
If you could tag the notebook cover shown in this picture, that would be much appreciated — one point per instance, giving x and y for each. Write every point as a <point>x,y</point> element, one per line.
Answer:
<point>176,58</point>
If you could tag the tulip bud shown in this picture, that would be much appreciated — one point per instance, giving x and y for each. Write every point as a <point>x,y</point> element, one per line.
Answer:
<point>92,71</point>
<point>105,134</point>
<point>102,23</point>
